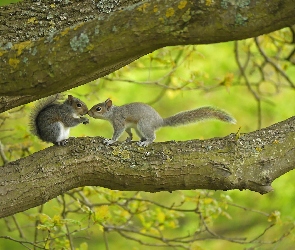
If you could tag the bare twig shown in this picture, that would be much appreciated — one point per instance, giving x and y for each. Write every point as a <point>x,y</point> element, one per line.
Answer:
<point>105,239</point>
<point>22,242</point>
<point>255,95</point>
<point>68,235</point>
<point>2,154</point>
<point>273,64</point>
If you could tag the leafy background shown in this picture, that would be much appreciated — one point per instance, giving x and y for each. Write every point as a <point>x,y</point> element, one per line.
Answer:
<point>171,79</point>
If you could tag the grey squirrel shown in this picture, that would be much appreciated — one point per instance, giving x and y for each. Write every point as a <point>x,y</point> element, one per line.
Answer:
<point>51,121</point>
<point>145,120</point>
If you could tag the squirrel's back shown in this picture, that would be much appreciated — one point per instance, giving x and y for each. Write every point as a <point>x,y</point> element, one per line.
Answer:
<point>137,111</point>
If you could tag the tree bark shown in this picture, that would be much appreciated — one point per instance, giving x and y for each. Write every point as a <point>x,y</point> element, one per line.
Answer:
<point>248,161</point>
<point>56,46</point>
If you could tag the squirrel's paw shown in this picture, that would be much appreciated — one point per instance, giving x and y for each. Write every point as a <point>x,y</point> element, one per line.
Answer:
<point>108,141</point>
<point>86,120</point>
<point>128,139</point>
<point>143,143</point>
<point>61,143</point>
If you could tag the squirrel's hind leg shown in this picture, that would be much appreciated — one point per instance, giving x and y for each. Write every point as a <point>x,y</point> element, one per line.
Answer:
<point>63,135</point>
<point>129,138</point>
<point>61,143</point>
<point>56,133</point>
<point>146,133</point>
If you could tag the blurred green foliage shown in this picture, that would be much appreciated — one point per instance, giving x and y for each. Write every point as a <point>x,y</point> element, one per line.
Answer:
<point>5,2</point>
<point>171,79</point>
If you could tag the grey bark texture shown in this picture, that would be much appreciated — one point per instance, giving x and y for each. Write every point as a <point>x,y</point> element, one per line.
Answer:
<point>247,161</point>
<point>50,47</point>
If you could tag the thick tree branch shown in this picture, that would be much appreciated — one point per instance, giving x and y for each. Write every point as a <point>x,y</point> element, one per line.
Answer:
<point>249,161</point>
<point>50,62</point>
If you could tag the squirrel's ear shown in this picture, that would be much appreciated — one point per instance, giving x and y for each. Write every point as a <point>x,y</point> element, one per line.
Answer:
<point>108,103</point>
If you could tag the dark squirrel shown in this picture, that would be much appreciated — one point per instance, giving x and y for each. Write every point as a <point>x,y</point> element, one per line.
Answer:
<point>51,121</point>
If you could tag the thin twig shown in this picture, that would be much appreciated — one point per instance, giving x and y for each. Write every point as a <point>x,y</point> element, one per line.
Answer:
<point>2,154</point>
<point>22,242</point>
<point>68,235</point>
<point>242,70</point>
<point>21,234</point>
<point>36,226</point>
<point>105,238</point>
<point>273,64</point>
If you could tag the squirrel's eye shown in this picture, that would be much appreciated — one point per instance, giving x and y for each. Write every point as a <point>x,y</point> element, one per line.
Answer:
<point>79,105</point>
<point>98,109</point>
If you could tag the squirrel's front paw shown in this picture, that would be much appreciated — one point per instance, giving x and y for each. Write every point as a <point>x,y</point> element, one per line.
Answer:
<point>108,141</point>
<point>85,120</point>
<point>61,143</point>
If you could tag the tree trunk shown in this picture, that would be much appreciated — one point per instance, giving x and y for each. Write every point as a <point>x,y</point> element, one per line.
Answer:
<point>248,161</point>
<point>53,47</point>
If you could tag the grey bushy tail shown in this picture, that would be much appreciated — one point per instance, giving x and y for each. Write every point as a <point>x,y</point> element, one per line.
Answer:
<point>41,105</point>
<point>195,115</point>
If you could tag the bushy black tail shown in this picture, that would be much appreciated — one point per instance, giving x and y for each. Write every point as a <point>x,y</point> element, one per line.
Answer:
<point>196,115</point>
